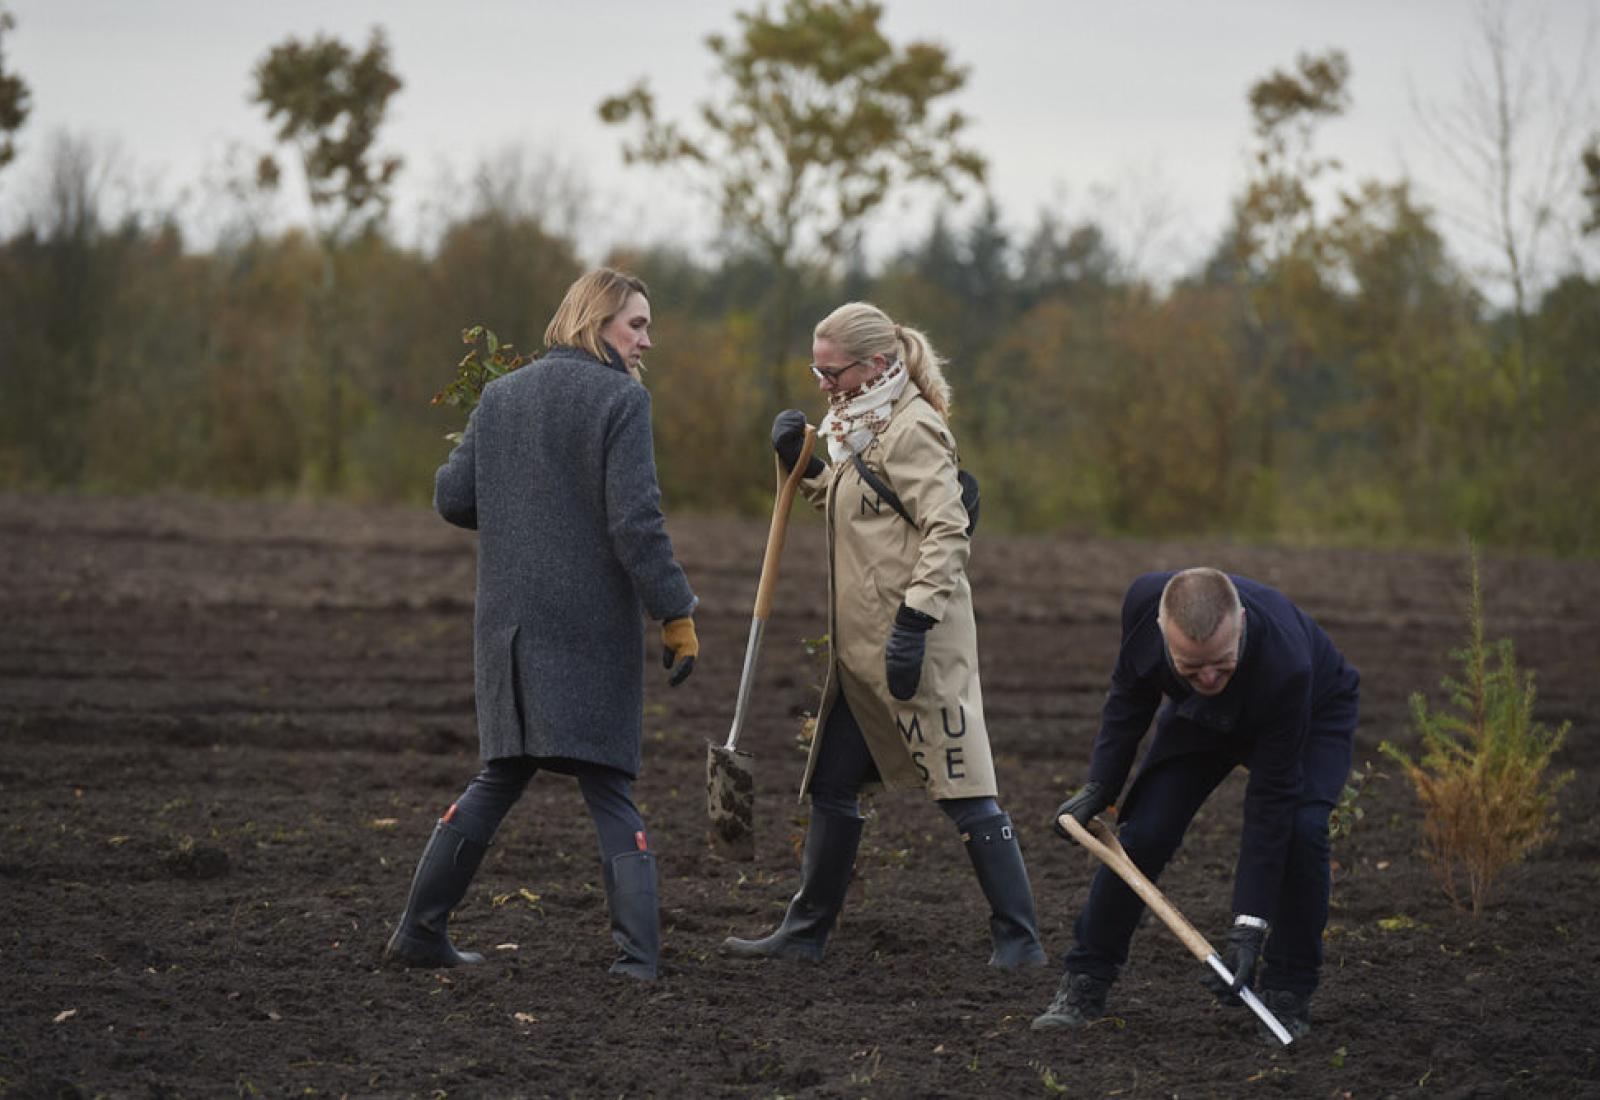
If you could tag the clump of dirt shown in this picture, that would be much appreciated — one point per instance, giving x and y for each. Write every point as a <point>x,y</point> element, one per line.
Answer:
<point>197,861</point>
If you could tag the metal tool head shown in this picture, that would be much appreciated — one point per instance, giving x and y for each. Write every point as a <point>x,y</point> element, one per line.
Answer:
<point>730,802</point>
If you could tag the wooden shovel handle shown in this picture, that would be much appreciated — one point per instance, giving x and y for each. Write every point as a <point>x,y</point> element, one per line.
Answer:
<point>787,484</point>
<point>1103,843</point>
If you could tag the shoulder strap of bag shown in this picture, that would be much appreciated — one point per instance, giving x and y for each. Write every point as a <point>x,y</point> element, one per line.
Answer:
<point>969,493</point>
<point>884,492</point>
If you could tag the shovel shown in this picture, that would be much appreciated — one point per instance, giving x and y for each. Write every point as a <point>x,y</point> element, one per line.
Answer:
<point>730,777</point>
<point>1100,840</point>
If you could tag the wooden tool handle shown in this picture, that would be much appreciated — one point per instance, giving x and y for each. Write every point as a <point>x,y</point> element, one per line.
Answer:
<point>780,522</point>
<point>1103,843</point>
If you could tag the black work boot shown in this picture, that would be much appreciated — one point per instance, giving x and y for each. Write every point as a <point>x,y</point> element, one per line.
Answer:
<point>443,874</point>
<point>830,856</point>
<point>1079,999</point>
<point>996,856</point>
<point>1293,1011</point>
<point>635,914</point>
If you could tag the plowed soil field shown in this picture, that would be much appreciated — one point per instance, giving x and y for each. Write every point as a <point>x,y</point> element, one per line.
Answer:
<point>226,730</point>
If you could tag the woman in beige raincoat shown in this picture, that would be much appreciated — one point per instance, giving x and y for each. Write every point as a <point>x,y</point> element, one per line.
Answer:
<point>902,705</point>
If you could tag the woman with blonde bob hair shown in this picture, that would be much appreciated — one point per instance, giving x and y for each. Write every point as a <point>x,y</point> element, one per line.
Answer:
<point>590,303</point>
<point>556,472</point>
<point>902,705</point>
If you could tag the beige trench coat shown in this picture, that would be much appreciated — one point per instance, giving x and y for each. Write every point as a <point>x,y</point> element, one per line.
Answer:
<point>937,739</point>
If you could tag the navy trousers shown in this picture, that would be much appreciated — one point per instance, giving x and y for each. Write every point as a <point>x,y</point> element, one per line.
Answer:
<point>607,792</point>
<point>1170,794</point>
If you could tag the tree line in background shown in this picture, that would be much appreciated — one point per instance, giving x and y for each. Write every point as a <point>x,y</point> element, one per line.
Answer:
<point>1323,375</point>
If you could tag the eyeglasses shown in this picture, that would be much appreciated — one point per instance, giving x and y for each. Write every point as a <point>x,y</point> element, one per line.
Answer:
<point>832,373</point>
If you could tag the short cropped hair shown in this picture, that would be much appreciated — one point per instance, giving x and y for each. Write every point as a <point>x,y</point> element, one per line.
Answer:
<point>1197,601</point>
<point>590,303</point>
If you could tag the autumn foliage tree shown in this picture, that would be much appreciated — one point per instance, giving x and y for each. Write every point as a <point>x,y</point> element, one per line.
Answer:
<point>328,102</point>
<point>13,97</point>
<point>1331,371</point>
<point>1281,265</point>
<point>1286,107</point>
<point>823,117</point>
<point>1591,187</point>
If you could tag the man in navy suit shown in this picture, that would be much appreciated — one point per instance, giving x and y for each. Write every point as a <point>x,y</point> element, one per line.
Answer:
<point>1247,679</point>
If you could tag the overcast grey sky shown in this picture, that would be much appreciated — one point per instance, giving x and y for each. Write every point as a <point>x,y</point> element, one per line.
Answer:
<point>1132,111</point>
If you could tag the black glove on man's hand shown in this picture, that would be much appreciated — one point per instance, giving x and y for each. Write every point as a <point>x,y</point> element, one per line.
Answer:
<point>902,656</point>
<point>1089,800</point>
<point>1240,956</point>
<point>789,436</point>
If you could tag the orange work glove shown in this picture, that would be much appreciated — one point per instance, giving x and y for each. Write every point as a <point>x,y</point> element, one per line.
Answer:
<point>679,643</point>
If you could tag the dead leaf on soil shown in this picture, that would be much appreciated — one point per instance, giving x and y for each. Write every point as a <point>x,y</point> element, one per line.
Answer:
<point>523,894</point>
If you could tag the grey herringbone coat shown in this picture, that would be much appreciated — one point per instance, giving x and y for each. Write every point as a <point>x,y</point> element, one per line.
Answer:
<point>556,472</point>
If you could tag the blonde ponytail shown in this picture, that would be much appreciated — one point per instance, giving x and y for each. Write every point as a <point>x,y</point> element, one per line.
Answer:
<point>926,368</point>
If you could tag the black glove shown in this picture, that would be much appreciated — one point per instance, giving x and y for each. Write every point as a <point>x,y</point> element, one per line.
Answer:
<point>902,656</point>
<point>679,643</point>
<point>789,436</point>
<point>1089,800</point>
<point>1240,956</point>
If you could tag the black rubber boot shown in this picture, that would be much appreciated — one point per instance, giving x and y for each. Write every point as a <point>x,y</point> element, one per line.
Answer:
<point>1079,999</point>
<point>635,914</point>
<point>443,874</point>
<point>997,858</point>
<point>830,856</point>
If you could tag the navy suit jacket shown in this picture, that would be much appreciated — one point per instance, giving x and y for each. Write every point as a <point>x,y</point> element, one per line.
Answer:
<point>1291,684</point>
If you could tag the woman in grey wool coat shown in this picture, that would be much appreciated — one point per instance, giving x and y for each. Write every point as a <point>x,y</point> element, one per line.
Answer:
<point>556,472</point>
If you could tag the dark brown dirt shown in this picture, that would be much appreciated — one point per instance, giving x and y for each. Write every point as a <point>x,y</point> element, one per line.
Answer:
<point>228,728</point>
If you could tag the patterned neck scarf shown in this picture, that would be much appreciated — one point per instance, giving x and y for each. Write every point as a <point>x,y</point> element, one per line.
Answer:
<point>856,417</point>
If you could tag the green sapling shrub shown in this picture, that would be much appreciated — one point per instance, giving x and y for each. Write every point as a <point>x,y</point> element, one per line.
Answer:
<point>1483,775</point>
<point>1345,816</point>
<point>487,360</point>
